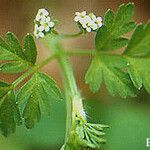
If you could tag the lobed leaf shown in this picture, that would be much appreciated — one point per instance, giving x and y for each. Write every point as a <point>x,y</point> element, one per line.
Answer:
<point>109,36</point>
<point>123,17</point>
<point>137,54</point>
<point>139,45</point>
<point>86,135</point>
<point>35,96</point>
<point>109,68</point>
<point>139,72</point>
<point>14,58</point>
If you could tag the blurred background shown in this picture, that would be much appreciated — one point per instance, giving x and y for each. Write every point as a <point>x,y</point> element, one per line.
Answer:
<point>129,119</point>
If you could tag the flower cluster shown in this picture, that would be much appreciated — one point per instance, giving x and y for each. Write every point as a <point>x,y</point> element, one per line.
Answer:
<point>89,22</point>
<point>43,23</point>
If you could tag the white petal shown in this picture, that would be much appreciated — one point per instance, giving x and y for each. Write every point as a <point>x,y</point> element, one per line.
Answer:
<point>84,26</point>
<point>38,17</point>
<point>100,24</point>
<point>77,18</point>
<point>87,19</point>
<point>45,12</point>
<point>91,23</point>
<point>41,34</point>
<point>51,24</point>
<point>99,19</point>
<point>47,29</point>
<point>41,28</point>
<point>83,13</point>
<point>43,21</point>
<point>82,21</point>
<point>36,27</point>
<point>94,27</point>
<point>35,32</point>
<point>40,11</point>
<point>88,29</point>
<point>93,17</point>
<point>48,19</point>
<point>77,13</point>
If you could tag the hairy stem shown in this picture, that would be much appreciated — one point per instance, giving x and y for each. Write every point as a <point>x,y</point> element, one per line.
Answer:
<point>71,93</point>
<point>74,104</point>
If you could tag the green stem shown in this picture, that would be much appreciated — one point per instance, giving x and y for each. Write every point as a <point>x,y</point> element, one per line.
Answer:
<point>46,61</point>
<point>67,35</point>
<point>81,52</point>
<point>73,98</point>
<point>70,91</point>
<point>33,70</point>
<point>72,35</point>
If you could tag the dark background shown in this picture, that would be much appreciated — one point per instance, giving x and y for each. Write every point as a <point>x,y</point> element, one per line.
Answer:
<point>129,119</point>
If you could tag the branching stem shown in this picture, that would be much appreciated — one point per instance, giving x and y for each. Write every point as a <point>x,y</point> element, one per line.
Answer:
<point>49,59</point>
<point>74,104</point>
<point>33,70</point>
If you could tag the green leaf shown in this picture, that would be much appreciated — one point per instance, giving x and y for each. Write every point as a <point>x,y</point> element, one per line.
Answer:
<point>123,17</point>
<point>139,44</point>
<point>116,44</point>
<point>109,19</point>
<point>94,76</point>
<point>13,67</point>
<point>9,112</point>
<point>14,58</point>
<point>139,71</point>
<point>86,135</point>
<point>109,36</point>
<point>13,44</point>
<point>35,96</point>
<point>109,68</point>
<point>137,54</point>
<point>30,49</point>
<point>4,88</point>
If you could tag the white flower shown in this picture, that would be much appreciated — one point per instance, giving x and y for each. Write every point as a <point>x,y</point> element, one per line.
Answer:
<point>89,22</point>
<point>43,23</point>
<point>41,28</point>
<point>99,21</point>
<point>93,17</point>
<point>42,13</point>
<point>79,16</point>
<point>48,26</point>
<point>51,24</point>
<point>38,31</point>
<point>45,20</point>
<point>83,22</point>
<point>88,29</point>
<point>87,19</point>
<point>94,26</point>
<point>82,14</point>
